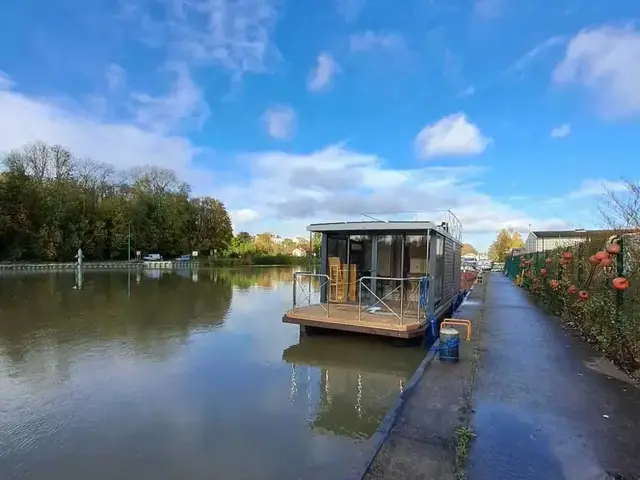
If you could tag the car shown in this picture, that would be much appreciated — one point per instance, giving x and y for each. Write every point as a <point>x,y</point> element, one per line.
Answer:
<point>183,258</point>
<point>152,257</point>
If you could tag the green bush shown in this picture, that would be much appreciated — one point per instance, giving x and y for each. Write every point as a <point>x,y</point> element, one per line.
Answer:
<point>608,318</point>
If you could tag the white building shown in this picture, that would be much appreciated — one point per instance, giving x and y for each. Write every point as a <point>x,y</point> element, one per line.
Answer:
<point>542,241</point>
<point>298,252</point>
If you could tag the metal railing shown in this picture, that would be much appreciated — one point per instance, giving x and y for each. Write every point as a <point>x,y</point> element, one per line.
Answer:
<point>420,301</point>
<point>312,290</point>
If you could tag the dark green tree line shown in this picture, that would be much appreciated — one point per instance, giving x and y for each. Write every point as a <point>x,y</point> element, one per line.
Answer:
<point>52,203</point>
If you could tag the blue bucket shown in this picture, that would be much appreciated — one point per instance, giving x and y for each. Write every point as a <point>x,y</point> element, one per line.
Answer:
<point>449,350</point>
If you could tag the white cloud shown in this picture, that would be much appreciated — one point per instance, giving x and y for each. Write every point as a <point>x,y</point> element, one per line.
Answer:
<point>280,122</point>
<point>594,188</point>
<point>453,135</point>
<point>24,119</point>
<point>243,216</point>
<point>488,9</point>
<point>115,76</point>
<point>5,81</point>
<point>335,183</point>
<point>322,74</point>
<point>235,35</point>
<point>523,62</point>
<point>350,10</point>
<point>562,131</point>
<point>467,92</point>
<point>606,61</point>
<point>185,101</point>
<point>365,41</point>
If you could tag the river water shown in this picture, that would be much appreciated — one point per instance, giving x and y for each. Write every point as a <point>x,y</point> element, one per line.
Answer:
<point>181,375</point>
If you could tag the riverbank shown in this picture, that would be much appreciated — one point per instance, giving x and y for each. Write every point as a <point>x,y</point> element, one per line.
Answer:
<point>53,266</point>
<point>223,262</point>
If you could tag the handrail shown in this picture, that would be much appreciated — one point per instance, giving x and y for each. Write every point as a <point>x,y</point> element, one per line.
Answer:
<point>400,287</point>
<point>308,297</point>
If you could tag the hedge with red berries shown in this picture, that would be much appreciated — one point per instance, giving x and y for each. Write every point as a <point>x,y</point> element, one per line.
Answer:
<point>593,287</point>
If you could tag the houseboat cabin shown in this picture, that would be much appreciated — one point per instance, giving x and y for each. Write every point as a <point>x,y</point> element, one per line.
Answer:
<point>382,278</point>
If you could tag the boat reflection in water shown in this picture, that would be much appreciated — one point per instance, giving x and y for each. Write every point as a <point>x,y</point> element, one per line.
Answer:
<point>358,380</point>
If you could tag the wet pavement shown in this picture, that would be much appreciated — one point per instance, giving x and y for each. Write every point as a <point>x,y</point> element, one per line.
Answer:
<point>547,405</point>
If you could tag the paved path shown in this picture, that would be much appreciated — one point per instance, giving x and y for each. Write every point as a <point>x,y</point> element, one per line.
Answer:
<point>547,405</point>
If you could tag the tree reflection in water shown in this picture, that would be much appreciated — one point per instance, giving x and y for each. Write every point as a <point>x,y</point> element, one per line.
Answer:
<point>358,380</point>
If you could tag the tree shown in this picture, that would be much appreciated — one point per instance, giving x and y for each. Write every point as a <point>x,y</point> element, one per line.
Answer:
<point>264,243</point>
<point>288,246</point>
<point>53,202</point>
<point>504,242</point>
<point>467,248</point>
<point>621,210</point>
<point>213,230</point>
<point>244,237</point>
<point>516,240</point>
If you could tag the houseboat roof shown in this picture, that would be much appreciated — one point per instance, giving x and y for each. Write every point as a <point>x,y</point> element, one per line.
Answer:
<point>380,226</point>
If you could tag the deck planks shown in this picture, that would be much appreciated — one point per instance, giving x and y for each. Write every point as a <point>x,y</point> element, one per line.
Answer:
<point>345,317</point>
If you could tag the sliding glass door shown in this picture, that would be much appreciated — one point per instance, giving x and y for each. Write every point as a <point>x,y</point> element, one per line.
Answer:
<point>360,265</point>
<point>389,263</point>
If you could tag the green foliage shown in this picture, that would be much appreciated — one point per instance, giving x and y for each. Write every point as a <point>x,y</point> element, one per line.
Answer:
<point>52,203</point>
<point>608,319</point>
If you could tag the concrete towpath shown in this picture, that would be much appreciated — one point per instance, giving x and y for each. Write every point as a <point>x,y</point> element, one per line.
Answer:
<point>420,443</point>
<point>546,404</point>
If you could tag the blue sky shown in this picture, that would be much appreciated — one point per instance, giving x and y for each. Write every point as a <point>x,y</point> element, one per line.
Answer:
<point>507,112</point>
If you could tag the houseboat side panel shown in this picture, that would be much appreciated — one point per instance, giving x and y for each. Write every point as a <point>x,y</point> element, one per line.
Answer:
<point>449,263</point>
<point>457,267</point>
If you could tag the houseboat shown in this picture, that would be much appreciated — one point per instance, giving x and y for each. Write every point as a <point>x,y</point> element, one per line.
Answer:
<point>380,277</point>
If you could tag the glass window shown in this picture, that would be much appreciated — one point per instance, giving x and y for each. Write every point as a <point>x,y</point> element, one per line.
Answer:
<point>389,263</point>
<point>415,256</point>
<point>389,256</point>
<point>337,247</point>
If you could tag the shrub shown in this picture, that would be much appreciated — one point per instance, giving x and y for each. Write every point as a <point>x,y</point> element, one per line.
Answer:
<point>604,316</point>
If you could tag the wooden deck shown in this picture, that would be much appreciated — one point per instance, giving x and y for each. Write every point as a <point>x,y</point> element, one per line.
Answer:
<point>345,317</point>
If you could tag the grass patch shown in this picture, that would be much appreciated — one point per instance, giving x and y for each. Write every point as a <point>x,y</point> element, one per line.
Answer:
<point>464,434</point>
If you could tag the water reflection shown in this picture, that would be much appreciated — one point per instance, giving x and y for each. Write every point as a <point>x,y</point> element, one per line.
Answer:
<point>180,374</point>
<point>358,381</point>
<point>38,313</point>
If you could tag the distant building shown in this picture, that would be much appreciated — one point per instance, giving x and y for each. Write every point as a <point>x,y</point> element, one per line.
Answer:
<point>541,241</point>
<point>298,252</point>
